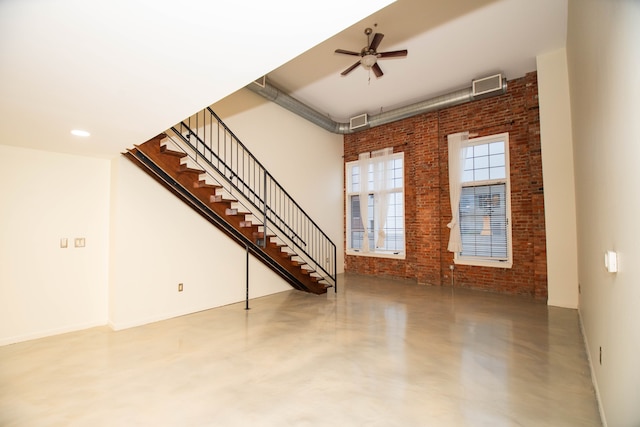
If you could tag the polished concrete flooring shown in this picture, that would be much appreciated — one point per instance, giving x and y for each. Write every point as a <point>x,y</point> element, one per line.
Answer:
<point>379,353</point>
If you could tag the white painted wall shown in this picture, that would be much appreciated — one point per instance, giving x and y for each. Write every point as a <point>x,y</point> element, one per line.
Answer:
<point>45,289</point>
<point>305,159</point>
<point>141,240</point>
<point>558,177</point>
<point>157,241</point>
<point>603,52</point>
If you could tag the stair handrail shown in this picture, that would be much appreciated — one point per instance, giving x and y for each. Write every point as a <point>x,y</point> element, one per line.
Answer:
<point>259,188</point>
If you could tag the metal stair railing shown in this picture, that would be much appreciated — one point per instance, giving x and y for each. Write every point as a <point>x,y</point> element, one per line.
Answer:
<point>214,145</point>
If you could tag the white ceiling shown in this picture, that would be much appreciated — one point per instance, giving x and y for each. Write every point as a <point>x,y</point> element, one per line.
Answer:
<point>450,44</point>
<point>126,70</point>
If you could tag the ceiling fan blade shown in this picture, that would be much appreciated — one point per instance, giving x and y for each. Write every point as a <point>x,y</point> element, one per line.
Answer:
<point>393,53</point>
<point>347,52</point>
<point>350,69</point>
<point>377,38</point>
<point>377,70</point>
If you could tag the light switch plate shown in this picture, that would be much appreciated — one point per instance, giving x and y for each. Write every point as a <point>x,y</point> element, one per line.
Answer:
<point>611,261</point>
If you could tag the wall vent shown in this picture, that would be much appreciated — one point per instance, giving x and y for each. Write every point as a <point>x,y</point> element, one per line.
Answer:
<point>358,121</point>
<point>486,86</point>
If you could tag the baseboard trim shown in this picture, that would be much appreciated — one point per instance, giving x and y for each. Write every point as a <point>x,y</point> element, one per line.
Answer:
<point>594,379</point>
<point>48,333</point>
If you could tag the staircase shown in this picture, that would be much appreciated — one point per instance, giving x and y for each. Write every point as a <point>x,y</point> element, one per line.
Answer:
<point>204,164</point>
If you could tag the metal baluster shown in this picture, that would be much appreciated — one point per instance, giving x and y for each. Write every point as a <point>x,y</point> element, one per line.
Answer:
<point>264,223</point>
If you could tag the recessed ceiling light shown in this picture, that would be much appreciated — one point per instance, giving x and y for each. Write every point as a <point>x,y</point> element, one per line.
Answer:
<point>80,132</point>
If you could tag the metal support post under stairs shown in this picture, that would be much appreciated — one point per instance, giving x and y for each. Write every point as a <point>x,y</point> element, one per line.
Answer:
<point>246,306</point>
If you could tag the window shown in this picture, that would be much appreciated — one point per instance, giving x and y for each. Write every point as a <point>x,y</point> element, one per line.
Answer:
<point>375,204</point>
<point>484,211</point>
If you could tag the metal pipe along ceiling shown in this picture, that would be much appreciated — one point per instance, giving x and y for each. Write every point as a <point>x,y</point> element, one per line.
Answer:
<point>279,97</point>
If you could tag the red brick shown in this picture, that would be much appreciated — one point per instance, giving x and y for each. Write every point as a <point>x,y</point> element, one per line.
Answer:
<point>423,139</point>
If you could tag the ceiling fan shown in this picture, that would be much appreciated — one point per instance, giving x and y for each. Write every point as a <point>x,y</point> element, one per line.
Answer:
<point>369,54</point>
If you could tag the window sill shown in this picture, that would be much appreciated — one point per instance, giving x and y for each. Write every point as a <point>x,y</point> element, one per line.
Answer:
<point>483,263</point>
<point>389,254</point>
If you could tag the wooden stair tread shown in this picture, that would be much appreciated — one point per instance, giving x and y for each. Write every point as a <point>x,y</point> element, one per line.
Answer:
<point>165,150</point>
<point>235,212</point>
<point>203,184</point>
<point>188,169</point>
<point>216,198</point>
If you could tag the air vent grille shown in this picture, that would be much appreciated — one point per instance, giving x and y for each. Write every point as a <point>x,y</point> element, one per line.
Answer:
<point>358,121</point>
<point>487,85</point>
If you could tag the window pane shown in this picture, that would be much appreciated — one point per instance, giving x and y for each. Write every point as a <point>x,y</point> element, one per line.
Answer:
<point>357,229</point>
<point>497,173</point>
<point>355,179</point>
<point>397,173</point>
<point>483,221</point>
<point>468,163</point>
<point>480,150</point>
<point>394,232</point>
<point>370,218</point>
<point>470,152</point>
<point>496,147</point>
<point>356,223</point>
<point>496,160</point>
<point>481,175</point>
<point>481,162</point>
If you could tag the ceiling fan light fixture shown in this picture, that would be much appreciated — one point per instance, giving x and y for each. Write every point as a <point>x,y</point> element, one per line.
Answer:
<point>368,60</point>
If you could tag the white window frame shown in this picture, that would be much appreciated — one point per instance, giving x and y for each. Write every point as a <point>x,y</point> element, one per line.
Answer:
<point>373,252</point>
<point>488,261</point>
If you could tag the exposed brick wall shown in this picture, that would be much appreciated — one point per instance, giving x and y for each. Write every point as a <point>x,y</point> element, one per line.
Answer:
<point>423,139</point>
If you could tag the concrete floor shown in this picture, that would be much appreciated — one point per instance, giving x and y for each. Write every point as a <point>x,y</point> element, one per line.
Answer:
<point>379,353</point>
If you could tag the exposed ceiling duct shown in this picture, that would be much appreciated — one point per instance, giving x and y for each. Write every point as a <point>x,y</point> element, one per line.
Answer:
<point>276,95</point>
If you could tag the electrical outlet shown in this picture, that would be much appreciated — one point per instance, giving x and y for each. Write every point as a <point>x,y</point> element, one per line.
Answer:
<point>180,287</point>
<point>79,242</point>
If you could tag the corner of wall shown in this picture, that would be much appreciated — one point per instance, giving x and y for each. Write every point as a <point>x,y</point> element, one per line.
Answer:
<point>558,176</point>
